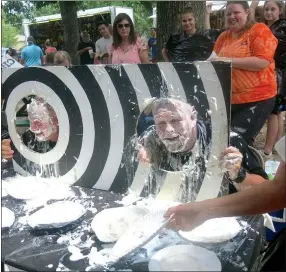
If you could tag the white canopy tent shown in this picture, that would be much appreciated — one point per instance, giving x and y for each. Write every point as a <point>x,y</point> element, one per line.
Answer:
<point>216,5</point>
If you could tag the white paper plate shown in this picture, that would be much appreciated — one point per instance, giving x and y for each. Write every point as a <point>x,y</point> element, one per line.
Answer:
<point>8,218</point>
<point>184,258</point>
<point>140,233</point>
<point>25,187</point>
<point>4,185</point>
<point>110,224</point>
<point>56,215</point>
<point>215,230</point>
<point>4,193</point>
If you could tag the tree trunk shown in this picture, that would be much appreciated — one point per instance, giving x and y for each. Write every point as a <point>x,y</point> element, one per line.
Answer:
<point>71,31</point>
<point>168,19</point>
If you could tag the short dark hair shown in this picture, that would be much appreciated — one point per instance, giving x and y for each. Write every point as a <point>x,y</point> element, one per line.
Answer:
<point>116,37</point>
<point>30,39</point>
<point>102,23</point>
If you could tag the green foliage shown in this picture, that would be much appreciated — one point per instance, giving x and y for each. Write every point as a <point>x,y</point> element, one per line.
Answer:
<point>16,11</point>
<point>8,34</point>
<point>43,10</point>
<point>143,24</point>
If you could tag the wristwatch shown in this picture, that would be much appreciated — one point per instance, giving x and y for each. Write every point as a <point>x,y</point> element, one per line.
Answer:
<point>241,176</point>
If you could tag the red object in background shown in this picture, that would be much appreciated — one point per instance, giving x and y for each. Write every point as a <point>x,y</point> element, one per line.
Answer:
<point>97,61</point>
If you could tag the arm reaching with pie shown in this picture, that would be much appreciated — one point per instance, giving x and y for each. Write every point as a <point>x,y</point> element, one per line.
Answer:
<point>262,198</point>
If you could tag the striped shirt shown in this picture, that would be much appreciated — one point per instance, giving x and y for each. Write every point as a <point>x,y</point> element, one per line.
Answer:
<point>250,86</point>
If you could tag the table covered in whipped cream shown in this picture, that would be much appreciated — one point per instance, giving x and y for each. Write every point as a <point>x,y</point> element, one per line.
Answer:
<point>53,250</point>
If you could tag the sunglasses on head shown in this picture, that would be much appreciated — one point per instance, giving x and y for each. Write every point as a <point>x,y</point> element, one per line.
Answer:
<point>123,25</point>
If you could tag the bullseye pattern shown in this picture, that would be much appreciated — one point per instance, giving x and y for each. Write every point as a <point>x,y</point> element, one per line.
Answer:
<point>98,106</point>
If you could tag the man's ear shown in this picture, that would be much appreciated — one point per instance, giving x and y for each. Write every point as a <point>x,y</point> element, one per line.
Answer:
<point>192,112</point>
<point>194,116</point>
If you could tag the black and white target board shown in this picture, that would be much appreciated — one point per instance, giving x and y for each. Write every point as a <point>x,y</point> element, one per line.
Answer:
<point>98,107</point>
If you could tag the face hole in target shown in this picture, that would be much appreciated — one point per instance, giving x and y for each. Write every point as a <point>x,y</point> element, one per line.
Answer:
<point>37,124</point>
<point>170,135</point>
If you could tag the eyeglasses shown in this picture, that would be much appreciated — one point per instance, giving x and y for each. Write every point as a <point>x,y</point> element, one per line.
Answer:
<point>123,25</point>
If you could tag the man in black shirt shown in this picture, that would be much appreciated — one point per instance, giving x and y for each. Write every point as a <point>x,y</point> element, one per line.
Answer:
<point>179,142</point>
<point>176,135</point>
<point>84,48</point>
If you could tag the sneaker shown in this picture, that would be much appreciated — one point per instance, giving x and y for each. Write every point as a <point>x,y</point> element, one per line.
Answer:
<point>264,155</point>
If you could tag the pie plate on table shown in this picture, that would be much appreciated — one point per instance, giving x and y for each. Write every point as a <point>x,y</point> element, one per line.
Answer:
<point>184,258</point>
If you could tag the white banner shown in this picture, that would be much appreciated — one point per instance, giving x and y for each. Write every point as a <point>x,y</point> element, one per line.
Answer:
<point>9,62</point>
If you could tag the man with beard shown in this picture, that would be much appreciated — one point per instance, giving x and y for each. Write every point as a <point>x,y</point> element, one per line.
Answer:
<point>41,137</point>
<point>176,135</point>
<point>84,48</point>
<point>179,142</point>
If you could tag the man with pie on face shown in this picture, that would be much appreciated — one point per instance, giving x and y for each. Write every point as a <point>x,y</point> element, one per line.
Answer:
<point>43,121</point>
<point>41,137</point>
<point>177,134</point>
<point>178,141</point>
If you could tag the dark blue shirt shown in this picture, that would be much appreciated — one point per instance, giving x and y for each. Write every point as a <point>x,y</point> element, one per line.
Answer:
<point>152,43</point>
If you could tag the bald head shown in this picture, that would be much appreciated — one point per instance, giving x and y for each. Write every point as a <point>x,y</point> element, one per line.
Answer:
<point>30,40</point>
<point>176,105</point>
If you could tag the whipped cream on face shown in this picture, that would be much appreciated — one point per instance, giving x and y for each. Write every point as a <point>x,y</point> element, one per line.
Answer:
<point>175,123</point>
<point>41,119</point>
